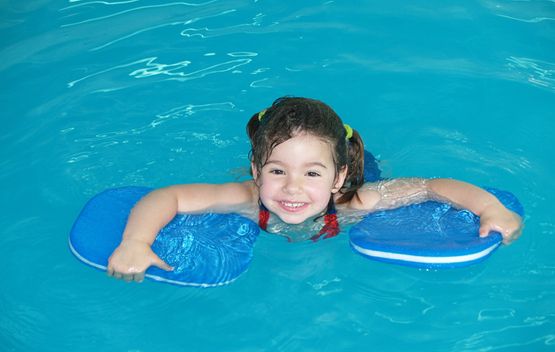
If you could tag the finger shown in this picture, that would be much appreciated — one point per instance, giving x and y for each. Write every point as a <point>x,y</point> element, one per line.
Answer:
<point>484,230</point>
<point>110,272</point>
<point>508,239</point>
<point>513,236</point>
<point>117,275</point>
<point>139,277</point>
<point>127,277</point>
<point>487,228</point>
<point>162,265</point>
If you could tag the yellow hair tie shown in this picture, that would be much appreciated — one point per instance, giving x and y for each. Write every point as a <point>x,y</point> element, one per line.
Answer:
<point>261,115</point>
<point>349,131</point>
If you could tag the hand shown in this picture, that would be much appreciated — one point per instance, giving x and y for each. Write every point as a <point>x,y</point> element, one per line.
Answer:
<point>131,259</point>
<point>498,218</point>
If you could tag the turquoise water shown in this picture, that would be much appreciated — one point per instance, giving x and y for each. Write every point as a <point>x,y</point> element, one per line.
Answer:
<point>103,94</point>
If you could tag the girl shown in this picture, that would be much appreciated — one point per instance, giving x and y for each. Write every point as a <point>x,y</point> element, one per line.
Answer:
<point>306,167</point>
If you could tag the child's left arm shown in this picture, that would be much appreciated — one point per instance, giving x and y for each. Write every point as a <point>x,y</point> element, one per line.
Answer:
<point>389,194</point>
<point>494,216</point>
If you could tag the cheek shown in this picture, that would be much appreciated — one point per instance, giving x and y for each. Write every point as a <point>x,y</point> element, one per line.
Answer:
<point>320,190</point>
<point>266,188</point>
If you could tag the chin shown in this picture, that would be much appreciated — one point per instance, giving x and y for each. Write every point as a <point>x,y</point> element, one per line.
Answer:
<point>294,221</point>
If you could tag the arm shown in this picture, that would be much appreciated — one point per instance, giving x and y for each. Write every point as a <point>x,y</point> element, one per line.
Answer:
<point>133,256</point>
<point>395,193</point>
<point>493,215</point>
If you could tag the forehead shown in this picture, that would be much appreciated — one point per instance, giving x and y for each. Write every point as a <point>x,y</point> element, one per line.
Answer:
<point>303,148</point>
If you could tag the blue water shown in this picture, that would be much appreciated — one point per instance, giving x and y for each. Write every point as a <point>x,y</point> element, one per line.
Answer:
<point>103,94</point>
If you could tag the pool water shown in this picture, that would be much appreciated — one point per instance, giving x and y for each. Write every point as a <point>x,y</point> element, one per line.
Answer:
<point>99,94</point>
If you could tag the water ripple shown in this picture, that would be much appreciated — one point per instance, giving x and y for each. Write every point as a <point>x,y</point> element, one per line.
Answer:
<point>322,289</point>
<point>174,70</point>
<point>96,33</point>
<point>523,11</point>
<point>489,340</point>
<point>79,3</point>
<point>158,26</point>
<point>114,137</point>
<point>455,144</point>
<point>493,314</point>
<point>218,68</point>
<point>537,72</point>
<point>260,83</point>
<point>190,109</point>
<point>94,19</point>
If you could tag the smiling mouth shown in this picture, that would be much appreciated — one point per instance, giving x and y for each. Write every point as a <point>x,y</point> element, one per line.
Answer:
<point>293,206</point>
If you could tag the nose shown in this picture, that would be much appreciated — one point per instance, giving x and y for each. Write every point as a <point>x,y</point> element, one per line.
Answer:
<point>293,185</point>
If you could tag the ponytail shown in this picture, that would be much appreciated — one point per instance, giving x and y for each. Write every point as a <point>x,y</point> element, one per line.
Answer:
<point>252,127</point>
<point>355,172</point>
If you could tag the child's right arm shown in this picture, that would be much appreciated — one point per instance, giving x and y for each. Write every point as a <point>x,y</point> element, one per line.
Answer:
<point>133,256</point>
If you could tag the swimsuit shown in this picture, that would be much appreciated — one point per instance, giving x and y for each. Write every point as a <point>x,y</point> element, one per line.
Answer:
<point>330,228</point>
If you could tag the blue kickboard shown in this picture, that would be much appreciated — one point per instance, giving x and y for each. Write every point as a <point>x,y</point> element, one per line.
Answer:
<point>205,250</point>
<point>428,235</point>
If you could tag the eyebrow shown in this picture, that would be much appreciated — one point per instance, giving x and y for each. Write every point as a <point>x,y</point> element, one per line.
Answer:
<point>310,164</point>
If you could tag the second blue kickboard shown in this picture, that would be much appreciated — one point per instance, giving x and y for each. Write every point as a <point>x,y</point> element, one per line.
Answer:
<point>427,235</point>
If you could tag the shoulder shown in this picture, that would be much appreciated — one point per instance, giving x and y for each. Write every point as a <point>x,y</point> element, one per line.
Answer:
<point>366,197</point>
<point>240,188</point>
<point>391,193</point>
<point>243,191</point>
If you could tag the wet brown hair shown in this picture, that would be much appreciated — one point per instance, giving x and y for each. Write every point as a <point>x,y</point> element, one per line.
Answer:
<point>289,116</point>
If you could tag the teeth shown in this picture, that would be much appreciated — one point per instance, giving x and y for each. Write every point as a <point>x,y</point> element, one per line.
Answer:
<point>293,205</point>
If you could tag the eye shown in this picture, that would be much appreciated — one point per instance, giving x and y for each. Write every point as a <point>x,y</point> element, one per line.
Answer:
<point>313,174</point>
<point>277,172</point>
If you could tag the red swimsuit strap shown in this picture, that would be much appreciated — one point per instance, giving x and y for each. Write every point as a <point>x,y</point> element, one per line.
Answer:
<point>331,225</point>
<point>263,216</point>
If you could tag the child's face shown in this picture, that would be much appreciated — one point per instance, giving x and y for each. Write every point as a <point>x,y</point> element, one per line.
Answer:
<point>297,181</point>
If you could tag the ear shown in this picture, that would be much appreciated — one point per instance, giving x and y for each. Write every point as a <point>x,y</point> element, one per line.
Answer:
<point>254,172</point>
<point>340,179</point>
